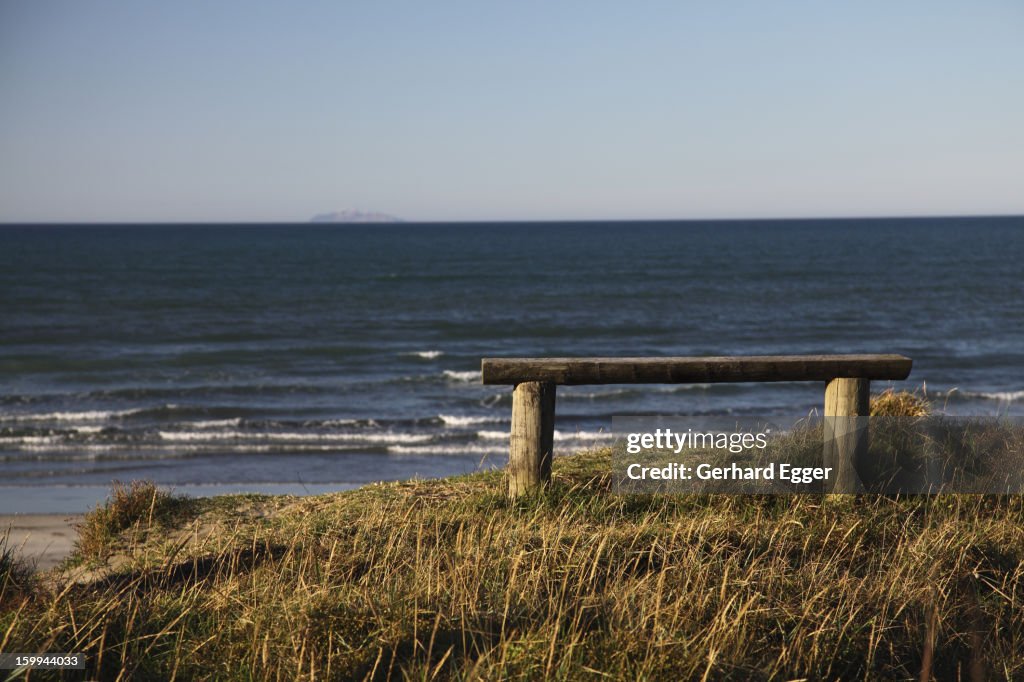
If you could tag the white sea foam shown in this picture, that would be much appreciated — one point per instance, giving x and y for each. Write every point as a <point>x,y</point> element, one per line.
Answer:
<point>63,447</point>
<point>559,435</point>
<point>467,376</point>
<point>426,354</point>
<point>626,392</point>
<point>584,435</point>
<point>596,395</point>
<point>89,416</point>
<point>215,423</point>
<point>135,451</point>
<point>1001,396</point>
<point>87,429</point>
<point>465,420</point>
<point>495,399</point>
<point>188,436</point>
<point>446,450</point>
<point>29,440</point>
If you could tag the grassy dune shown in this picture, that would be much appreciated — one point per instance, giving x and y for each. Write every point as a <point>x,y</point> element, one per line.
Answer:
<point>446,579</point>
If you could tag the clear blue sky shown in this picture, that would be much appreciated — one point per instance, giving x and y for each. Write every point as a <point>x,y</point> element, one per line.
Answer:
<point>248,110</point>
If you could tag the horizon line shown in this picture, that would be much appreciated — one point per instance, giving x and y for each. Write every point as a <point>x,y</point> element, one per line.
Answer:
<point>494,221</point>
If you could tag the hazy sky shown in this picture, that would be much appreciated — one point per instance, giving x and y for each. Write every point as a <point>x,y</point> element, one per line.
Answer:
<point>246,110</point>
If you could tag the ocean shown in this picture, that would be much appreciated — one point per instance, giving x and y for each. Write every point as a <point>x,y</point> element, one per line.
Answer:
<point>305,358</point>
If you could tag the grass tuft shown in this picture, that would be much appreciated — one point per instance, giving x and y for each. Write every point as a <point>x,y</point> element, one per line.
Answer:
<point>893,403</point>
<point>128,506</point>
<point>17,579</point>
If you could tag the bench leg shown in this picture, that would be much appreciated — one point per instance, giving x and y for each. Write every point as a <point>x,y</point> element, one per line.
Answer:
<point>846,430</point>
<point>533,436</point>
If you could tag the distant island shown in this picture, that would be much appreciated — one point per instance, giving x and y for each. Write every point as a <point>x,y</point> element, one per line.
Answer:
<point>354,217</point>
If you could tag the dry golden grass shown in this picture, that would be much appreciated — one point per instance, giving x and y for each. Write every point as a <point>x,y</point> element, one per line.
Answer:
<point>139,502</point>
<point>892,403</point>
<point>448,580</point>
<point>17,580</point>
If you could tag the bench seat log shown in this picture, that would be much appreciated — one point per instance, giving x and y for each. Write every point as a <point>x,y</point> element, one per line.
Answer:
<point>690,370</point>
<point>848,381</point>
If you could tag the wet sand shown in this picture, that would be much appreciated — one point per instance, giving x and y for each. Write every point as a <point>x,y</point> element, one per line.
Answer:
<point>43,540</point>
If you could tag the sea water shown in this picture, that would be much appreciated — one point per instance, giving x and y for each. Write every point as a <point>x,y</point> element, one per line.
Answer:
<point>303,358</point>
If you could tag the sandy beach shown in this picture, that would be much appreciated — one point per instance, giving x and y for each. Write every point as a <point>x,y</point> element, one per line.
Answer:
<point>41,539</point>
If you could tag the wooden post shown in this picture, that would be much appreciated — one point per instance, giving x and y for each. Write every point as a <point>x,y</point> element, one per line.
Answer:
<point>533,436</point>
<point>846,432</point>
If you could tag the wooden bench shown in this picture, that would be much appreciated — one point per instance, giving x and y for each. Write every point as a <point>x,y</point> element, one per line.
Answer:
<point>847,377</point>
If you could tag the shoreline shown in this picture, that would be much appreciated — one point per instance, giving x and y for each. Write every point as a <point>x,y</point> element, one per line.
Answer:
<point>57,500</point>
<point>42,540</point>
